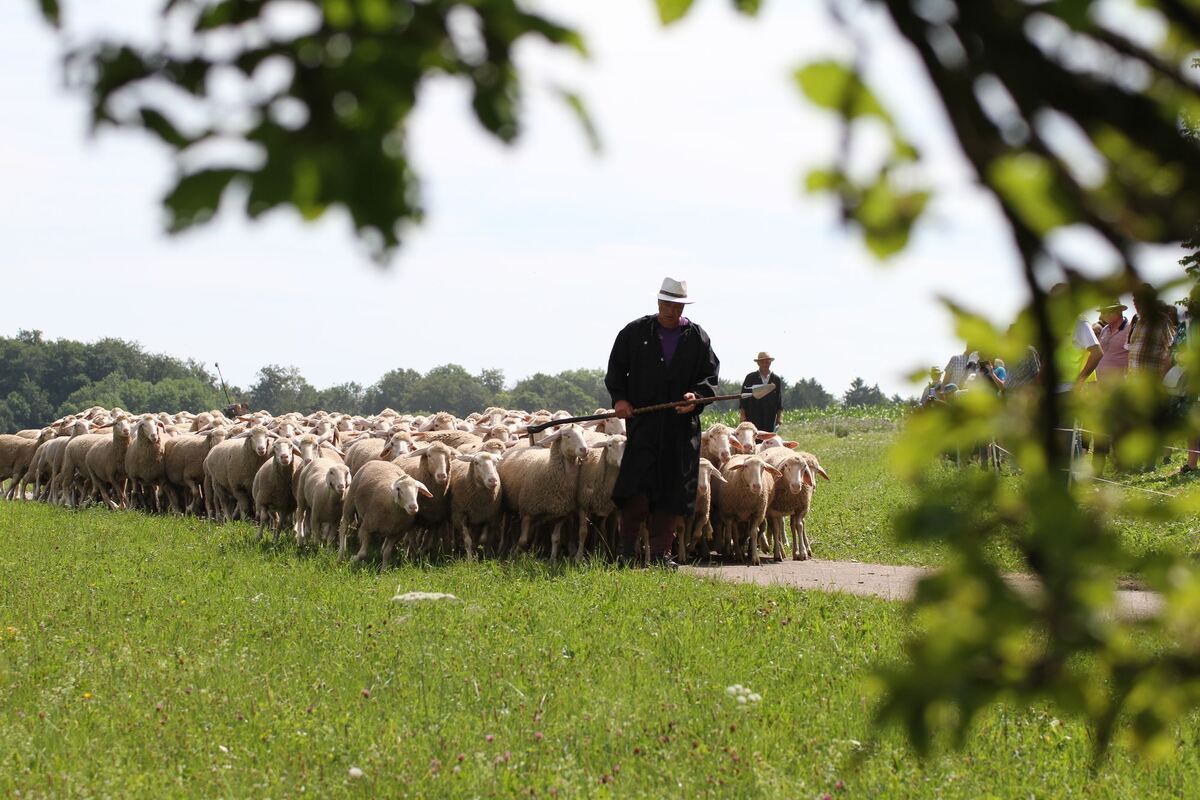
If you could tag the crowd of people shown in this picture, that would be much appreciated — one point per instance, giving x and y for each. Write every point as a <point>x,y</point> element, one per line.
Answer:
<point>1099,354</point>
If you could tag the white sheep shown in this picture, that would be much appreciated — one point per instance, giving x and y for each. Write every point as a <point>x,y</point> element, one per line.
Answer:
<point>229,470</point>
<point>383,499</point>
<point>144,462</point>
<point>597,477</point>
<point>475,498</point>
<point>742,502</point>
<point>271,489</point>
<point>183,458</point>
<point>540,483</point>
<point>320,492</point>
<point>431,466</point>
<point>16,454</point>
<point>698,528</point>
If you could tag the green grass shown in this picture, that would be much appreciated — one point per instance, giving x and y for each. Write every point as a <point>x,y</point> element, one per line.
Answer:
<point>160,657</point>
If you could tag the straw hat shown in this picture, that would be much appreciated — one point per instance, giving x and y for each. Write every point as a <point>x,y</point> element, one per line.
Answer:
<point>763,355</point>
<point>674,291</point>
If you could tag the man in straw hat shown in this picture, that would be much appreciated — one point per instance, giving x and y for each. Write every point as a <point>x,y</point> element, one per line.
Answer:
<point>655,359</point>
<point>766,413</point>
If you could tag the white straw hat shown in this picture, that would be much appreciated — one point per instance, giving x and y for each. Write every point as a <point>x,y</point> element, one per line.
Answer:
<point>674,291</point>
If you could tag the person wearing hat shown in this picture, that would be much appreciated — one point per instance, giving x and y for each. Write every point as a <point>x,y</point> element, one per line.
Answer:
<point>660,358</point>
<point>1113,338</point>
<point>767,412</point>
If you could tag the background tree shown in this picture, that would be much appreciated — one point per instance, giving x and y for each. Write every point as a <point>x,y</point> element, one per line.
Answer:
<point>806,393</point>
<point>281,389</point>
<point>859,394</point>
<point>393,390</point>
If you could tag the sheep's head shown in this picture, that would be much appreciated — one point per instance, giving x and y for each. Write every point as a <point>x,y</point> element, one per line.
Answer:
<point>796,473</point>
<point>122,429</point>
<point>217,435</point>
<point>746,436</point>
<point>484,467</point>
<point>614,449</point>
<point>750,470</point>
<point>495,446</point>
<point>720,442</point>
<point>281,452</point>
<point>337,478</point>
<point>259,438</point>
<point>569,439</point>
<point>399,443</point>
<point>148,428</point>
<point>707,474</point>
<point>437,458</point>
<point>405,491</point>
<point>308,447</point>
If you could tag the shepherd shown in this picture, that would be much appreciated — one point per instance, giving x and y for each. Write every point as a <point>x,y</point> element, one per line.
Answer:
<point>655,359</point>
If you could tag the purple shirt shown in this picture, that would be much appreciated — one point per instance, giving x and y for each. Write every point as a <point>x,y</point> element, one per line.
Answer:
<point>669,338</point>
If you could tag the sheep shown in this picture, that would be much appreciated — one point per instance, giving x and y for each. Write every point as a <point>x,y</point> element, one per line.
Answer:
<point>398,443</point>
<point>455,439</point>
<point>229,470</point>
<point>383,499</point>
<point>320,492</point>
<point>271,489</point>
<point>38,472</point>
<point>790,497</point>
<point>144,462</point>
<point>105,464</point>
<point>699,527</point>
<point>716,444</point>
<point>540,482</point>
<point>74,465</point>
<point>183,457</point>
<point>742,501</point>
<point>56,452</point>
<point>474,497</point>
<point>597,477</point>
<point>16,454</point>
<point>431,466</point>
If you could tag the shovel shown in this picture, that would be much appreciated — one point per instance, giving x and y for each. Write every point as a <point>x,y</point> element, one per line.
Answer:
<point>756,392</point>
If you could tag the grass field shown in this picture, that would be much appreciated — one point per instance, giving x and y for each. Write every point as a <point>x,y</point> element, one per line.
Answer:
<point>159,657</point>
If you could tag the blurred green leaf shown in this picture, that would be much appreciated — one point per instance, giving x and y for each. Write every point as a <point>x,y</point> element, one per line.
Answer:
<point>833,85</point>
<point>748,7</point>
<point>1028,182</point>
<point>196,197</point>
<point>51,12</point>
<point>670,11</point>
<point>579,109</point>
<point>155,122</point>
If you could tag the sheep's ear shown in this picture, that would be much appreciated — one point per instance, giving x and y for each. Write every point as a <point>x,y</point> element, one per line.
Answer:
<point>762,435</point>
<point>385,454</point>
<point>791,445</point>
<point>735,443</point>
<point>738,465</point>
<point>422,490</point>
<point>241,435</point>
<point>772,470</point>
<point>336,449</point>
<point>464,457</point>
<point>806,478</point>
<point>714,474</point>
<point>821,472</point>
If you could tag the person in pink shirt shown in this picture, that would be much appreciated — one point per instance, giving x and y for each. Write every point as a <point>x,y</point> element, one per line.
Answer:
<point>1114,337</point>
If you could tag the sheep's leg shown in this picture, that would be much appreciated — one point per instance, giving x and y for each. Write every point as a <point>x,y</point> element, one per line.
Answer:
<point>644,537</point>
<point>681,543</point>
<point>245,504</point>
<point>797,540</point>
<point>581,547</point>
<point>364,545</point>
<point>526,529</point>
<point>751,538</point>
<point>262,523</point>
<point>210,498</point>
<point>299,519</point>
<point>389,544</point>
<point>344,533</point>
<point>468,545</point>
<point>806,546</point>
<point>556,540</point>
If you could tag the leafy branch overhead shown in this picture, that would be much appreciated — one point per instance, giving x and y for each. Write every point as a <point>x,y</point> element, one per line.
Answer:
<point>319,112</point>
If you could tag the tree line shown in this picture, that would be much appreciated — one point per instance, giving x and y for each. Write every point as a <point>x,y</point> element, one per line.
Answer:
<point>43,379</point>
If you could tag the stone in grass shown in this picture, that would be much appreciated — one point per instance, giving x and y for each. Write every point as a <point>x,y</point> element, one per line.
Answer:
<point>417,597</point>
<point>355,772</point>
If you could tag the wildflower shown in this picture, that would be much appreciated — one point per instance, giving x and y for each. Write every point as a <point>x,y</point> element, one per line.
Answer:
<point>87,695</point>
<point>537,735</point>
<point>435,766</point>
<point>366,693</point>
<point>489,738</point>
<point>356,773</point>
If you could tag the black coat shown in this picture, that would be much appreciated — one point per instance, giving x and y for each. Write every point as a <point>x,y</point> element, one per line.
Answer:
<point>662,456</point>
<point>762,412</point>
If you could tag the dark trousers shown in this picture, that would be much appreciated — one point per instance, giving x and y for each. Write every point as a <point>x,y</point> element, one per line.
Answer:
<point>662,526</point>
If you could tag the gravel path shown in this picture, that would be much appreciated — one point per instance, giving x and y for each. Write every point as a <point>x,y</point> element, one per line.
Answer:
<point>885,580</point>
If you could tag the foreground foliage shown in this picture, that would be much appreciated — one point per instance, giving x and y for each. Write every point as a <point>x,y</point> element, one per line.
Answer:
<point>210,666</point>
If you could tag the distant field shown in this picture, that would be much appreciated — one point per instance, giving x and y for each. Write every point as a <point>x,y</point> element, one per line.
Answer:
<point>157,657</point>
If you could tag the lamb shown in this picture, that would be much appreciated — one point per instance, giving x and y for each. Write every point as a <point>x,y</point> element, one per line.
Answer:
<point>431,466</point>
<point>716,444</point>
<point>144,462</point>
<point>74,465</point>
<point>229,470</point>
<point>271,489</point>
<point>320,492</point>
<point>16,454</point>
<point>474,497</point>
<point>184,457</point>
<point>56,450</point>
<point>742,501</point>
<point>699,527</point>
<point>383,499</point>
<point>540,483</point>
<point>597,477</point>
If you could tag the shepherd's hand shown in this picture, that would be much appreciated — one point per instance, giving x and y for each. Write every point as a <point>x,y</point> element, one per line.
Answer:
<point>687,409</point>
<point>624,409</point>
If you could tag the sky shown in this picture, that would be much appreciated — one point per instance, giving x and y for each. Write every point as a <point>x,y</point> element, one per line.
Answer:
<point>532,256</point>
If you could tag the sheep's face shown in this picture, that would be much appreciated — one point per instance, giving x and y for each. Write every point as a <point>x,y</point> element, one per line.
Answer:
<point>398,444</point>
<point>796,474</point>
<point>281,452</point>
<point>308,446</point>
<point>122,429</point>
<point>338,479</point>
<point>485,467</point>
<point>147,428</point>
<point>259,440</point>
<point>750,472</point>
<point>614,450</point>
<point>216,436</point>
<point>406,490</point>
<point>574,446</point>
<point>746,436</point>
<point>706,475</point>
<point>49,433</point>
<point>719,442</point>
<point>442,421</point>
<point>437,461</point>
<point>494,446</point>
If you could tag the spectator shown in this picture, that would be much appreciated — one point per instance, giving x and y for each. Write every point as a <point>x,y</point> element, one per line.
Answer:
<point>960,366</point>
<point>1078,354</point>
<point>1114,336</point>
<point>1150,340</point>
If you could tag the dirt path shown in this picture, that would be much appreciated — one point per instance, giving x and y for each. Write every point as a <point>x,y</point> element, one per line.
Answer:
<point>885,580</point>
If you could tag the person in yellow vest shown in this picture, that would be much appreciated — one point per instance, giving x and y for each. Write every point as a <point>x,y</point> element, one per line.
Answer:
<point>1078,355</point>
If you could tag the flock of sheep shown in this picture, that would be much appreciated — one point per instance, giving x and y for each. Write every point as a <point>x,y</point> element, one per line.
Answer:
<point>435,485</point>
